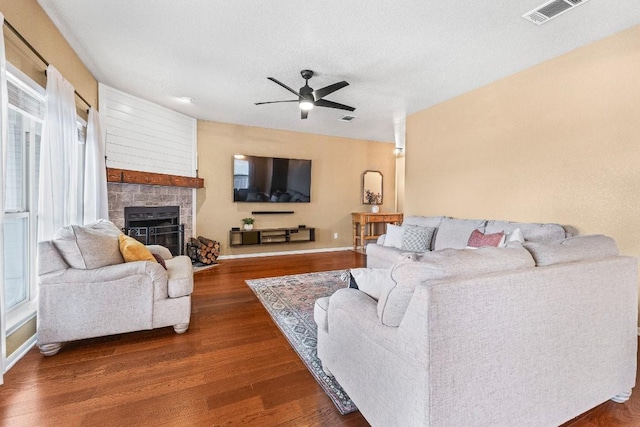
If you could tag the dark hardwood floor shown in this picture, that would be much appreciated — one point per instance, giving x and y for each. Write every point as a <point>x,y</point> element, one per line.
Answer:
<point>232,367</point>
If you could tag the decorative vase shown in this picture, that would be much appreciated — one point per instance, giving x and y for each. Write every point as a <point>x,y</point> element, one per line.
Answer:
<point>375,208</point>
<point>248,227</point>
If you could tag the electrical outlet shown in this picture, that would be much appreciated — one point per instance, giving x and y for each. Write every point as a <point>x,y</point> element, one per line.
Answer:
<point>335,235</point>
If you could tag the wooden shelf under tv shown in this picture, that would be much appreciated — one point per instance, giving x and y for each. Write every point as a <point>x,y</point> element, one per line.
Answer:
<point>271,236</point>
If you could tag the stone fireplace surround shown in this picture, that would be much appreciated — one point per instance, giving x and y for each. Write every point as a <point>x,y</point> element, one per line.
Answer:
<point>123,195</point>
<point>135,188</point>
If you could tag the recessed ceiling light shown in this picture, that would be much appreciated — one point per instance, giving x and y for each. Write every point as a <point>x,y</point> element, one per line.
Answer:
<point>185,99</point>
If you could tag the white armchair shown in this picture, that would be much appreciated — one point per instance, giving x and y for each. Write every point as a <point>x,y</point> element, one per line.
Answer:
<point>87,290</point>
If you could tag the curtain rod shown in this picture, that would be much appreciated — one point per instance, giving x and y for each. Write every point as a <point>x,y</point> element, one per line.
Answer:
<point>33,49</point>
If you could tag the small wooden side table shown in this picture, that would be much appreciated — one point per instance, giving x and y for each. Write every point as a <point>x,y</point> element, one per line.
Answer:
<point>365,226</point>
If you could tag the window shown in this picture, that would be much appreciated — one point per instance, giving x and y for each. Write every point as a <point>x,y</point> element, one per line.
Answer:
<point>26,116</point>
<point>241,173</point>
<point>26,113</point>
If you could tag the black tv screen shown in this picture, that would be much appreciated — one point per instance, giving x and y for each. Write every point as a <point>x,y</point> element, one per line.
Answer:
<point>271,179</point>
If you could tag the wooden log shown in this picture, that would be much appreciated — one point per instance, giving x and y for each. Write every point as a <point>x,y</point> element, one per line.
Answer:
<point>195,242</point>
<point>216,249</point>
<point>206,241</point>
<point>203,250</point>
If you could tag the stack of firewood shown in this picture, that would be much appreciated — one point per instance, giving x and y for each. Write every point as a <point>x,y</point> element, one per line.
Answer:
<point>203,250</point>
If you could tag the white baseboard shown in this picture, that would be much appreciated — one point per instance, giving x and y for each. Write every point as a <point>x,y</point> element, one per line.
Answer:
<point>307,251</point>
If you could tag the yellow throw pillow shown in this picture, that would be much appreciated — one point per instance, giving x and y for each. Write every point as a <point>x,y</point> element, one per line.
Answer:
<point>132,250</point>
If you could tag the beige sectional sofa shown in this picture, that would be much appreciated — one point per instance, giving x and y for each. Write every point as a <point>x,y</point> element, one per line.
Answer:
<point>86,289</point>
<point>454,233</point>
<point>529,334</point>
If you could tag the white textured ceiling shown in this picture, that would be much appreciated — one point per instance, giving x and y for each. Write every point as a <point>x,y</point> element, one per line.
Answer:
<point>398,56</point>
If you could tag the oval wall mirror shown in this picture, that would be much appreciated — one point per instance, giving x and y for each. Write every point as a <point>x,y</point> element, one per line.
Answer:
<point>372,187</point>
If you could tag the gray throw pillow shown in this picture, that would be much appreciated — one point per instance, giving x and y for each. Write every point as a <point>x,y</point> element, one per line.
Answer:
<point>416,238</point>
<point>91,246</point>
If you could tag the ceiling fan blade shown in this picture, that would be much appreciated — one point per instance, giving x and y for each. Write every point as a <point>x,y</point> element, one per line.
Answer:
<point>331,104</point>
<point>275,102</point>
<point>284,86</point>
<point>321,93</point>
<point>304,114</point>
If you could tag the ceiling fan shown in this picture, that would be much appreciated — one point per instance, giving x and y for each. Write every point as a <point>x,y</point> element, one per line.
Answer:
<point>308,97</point>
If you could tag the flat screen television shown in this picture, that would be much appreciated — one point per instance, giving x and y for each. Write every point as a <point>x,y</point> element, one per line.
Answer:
<point>271,179</point>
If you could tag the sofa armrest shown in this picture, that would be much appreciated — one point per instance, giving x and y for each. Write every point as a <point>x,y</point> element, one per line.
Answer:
<point>352,311</point>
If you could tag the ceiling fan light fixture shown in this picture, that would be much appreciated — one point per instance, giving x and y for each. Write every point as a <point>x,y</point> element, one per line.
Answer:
<point>306,105</point>
<point>308,98</point>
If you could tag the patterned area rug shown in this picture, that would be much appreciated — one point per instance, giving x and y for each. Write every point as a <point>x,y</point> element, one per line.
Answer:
<point>289,300</point>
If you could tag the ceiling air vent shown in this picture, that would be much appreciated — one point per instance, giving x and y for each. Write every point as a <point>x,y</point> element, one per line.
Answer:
<point>550,10</point>
<point>346,118</point>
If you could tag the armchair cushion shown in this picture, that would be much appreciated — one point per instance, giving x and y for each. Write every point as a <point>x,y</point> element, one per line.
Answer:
<point>90,246</point>
<point>106,274</point>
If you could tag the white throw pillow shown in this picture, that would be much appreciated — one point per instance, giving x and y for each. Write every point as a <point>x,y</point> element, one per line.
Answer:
<point>515,236</point>
<point>373,281</point>
<point>393,238</point>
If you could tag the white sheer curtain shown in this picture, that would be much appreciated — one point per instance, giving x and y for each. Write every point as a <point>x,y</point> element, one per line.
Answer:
<point>3,159</point>
<point>95,172</point>
<point>60,201</point>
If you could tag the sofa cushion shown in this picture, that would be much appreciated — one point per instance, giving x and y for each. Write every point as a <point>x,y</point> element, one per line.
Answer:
<point>441,265</point>
<point>416,238</point>
<point>572,249</point>
<point>89,246</point>
<point>132,250</point>
<point>530,231</point>
<point>454,233</point>
<point>423,221</point>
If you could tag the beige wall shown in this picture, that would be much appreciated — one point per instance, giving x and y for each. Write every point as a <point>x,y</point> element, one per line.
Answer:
<point>29,19</point>
<point>336,183</point>
<point>559,142</point>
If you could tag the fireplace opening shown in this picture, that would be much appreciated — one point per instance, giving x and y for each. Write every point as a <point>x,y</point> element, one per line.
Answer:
<point>155,225</point>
